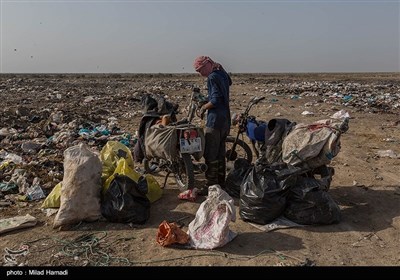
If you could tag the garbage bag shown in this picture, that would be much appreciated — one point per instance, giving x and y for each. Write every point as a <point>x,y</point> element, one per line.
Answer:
<point>309,203</point>
<point>81,187</point>
<point>210,227</point>
<point>235,177</point>
<point>54,197</point>
<point>125,201</point>
<point>154,191</point>
<point>263,195</point>
<point>170,233</point>
<point>109,156</point>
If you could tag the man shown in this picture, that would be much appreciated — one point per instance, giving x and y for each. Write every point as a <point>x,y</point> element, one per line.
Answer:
<point>218,119</point>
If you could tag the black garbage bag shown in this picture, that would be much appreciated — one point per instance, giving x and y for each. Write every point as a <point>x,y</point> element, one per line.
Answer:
<point>309,203</point>
<point>125,201</point>
<point>275,133</point>
<point>263,195</point>
<point>235,177</point>
<point>156,103</point>
<point>149,103</point>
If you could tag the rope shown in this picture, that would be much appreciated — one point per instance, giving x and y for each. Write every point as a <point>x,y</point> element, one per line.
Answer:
<point>89,246</point>
<point>92,248</point>
<point>225,255</point>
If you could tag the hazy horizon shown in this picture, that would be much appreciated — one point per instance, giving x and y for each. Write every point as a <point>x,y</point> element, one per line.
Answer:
<point>189,73</point>
<point>164,37</point>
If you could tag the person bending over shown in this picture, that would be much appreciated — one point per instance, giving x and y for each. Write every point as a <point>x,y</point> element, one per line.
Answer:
<point>218,119</point>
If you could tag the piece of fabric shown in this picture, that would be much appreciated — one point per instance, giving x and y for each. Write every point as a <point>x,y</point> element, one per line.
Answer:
<point>199,62</point>
<point>161,142</point>
<point>202,60</point>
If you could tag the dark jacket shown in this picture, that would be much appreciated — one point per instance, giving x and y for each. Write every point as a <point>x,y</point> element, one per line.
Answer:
<point>219,116</point>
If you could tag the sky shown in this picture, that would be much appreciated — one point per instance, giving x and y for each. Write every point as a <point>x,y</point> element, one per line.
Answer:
<point>68,36</point>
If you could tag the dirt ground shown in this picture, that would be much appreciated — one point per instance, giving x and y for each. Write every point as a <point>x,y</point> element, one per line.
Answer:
<point>365,186</point>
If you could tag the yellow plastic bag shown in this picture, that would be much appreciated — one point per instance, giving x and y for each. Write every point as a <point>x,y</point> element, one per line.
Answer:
<point>53,199</point>
<point>154,191</point>
<point>109,156</point>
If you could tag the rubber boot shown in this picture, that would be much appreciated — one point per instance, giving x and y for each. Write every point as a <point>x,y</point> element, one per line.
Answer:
<point>211,177</point>
<point>222,173</point>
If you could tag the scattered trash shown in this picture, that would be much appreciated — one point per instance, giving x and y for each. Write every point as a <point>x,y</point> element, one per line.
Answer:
<point>388,140</point>
<point>387,153</point>
<point>342,114</point>
<point>44,159</point>
<point>35,193</point>
<point>51,211</point>
<point>31,147</point>
<point>5,203</point>
<point>278,223</point>
<point>190,194</point>
<point>170,233</point>
<point>347,98</point>
<point>88,99</point>
<point>6,188</point>
<point>10,157</point>
<point>18,222</point>
<point>10,257</point>
<point>307,113</point>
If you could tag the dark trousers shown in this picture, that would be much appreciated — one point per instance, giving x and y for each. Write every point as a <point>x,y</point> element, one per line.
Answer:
<point>214,155</point>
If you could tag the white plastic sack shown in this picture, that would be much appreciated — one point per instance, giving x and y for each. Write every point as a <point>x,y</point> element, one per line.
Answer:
<point>210,227</point>
<point>312,145</point>
<point>81,186</point>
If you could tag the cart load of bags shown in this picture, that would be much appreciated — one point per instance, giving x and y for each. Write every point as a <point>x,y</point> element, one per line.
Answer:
<point>104,185</point>
<point>292,176</point>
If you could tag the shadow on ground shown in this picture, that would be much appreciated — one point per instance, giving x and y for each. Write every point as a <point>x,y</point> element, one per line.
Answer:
<point>364,208</point>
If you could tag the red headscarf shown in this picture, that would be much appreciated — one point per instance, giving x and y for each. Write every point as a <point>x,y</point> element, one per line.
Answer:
<point>200,61</point>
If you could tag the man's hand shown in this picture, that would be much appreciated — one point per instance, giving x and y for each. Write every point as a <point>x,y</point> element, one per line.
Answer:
<point>202,112</point>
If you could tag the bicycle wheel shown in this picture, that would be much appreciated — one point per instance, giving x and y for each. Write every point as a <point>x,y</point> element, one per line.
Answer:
<point>184,175</point>
<point>242,150</point>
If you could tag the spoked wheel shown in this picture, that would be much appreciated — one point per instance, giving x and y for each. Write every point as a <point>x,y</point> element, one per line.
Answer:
<point>242,150</point>
<point>184,175</point>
